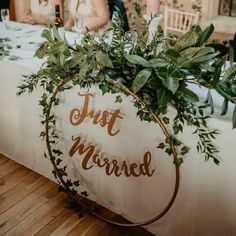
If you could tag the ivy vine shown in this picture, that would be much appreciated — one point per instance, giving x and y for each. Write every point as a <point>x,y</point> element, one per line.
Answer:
<point>154,74</point>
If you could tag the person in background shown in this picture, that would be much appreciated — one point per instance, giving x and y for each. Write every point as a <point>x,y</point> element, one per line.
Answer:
<point>93,15</point>
<point>40,11</point>
<point>119,4</point>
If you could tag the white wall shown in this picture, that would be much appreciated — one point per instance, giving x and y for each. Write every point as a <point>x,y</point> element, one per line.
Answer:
<point>19,9</point>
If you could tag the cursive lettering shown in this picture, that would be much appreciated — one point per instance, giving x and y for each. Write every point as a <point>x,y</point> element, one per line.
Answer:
<point>103,118</point>
<point>90,158</point>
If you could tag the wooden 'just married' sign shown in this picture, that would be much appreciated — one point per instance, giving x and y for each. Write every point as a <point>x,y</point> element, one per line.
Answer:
<point>91,157</point>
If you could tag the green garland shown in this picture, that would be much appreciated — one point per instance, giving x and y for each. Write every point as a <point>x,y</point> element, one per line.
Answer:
<point>155,74</point>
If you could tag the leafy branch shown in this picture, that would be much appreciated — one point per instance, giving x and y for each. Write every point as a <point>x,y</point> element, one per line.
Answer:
<point>156,75</point>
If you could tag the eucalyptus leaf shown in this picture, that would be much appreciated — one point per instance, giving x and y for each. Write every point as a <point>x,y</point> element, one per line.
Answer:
<point>223,90</point>
<point>47,35</point>
<point>205,58</point>
<point>157,63</point>
<point>163,97</point>
<point>233,88</point>
<point>195,52</point>
<point>141,79</point>
<point>103,59</point>
<point>172,83</point>
<point>209,100</point>
<point>187,95</point>
<point>217,72</point>
<point>173,54</point>
<point>189,38</point>
<point>234,117</point>
<point>224,108</point>
<point>230,73</point>
<point>206,34</point>
<point>41,51</point>
<point>231,55</point>
<point>135,59</point>
<point>62,59</point>
<point>57,35</point>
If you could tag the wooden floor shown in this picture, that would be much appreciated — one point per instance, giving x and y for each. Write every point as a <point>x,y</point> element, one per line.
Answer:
<point>31,205</point>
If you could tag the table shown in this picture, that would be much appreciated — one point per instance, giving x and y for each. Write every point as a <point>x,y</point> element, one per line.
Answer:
<point>206,202</point>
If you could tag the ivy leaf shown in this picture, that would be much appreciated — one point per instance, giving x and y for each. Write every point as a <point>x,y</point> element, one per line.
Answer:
<point>69,183</point>
<point>205,35</point>
<point>141,79</point>
<point>58,161</point>
<point>161,146</point>
<point>42,134</point>
<point>178,161</point>
<point>57,152</point>
<point>135,59</point>
<point>166,120</point>
<point>184,150</point>
<point>104,60</point>
<point>168,150</point>
<point>118,99</point>
<point>76,183</point>
<point>177,129</point>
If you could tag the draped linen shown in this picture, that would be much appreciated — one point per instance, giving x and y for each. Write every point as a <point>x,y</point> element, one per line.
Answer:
<point>205,204</point>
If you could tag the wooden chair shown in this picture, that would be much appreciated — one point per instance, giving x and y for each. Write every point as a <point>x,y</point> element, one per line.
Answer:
<point>12,10</point>
<point>178,21</point>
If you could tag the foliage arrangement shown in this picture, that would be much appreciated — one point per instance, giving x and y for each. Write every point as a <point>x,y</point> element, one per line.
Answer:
<point>155,74</point>
<point>4,47</point>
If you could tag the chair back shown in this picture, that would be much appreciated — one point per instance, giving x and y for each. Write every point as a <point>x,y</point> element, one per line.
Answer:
<point>178,21</point>
<point>12,10</point>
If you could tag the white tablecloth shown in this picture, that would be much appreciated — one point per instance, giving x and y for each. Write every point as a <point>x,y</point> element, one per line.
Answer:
<point>206,202</point>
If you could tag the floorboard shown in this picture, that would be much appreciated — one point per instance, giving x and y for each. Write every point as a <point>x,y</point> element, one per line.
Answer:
<point>30,204</point>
